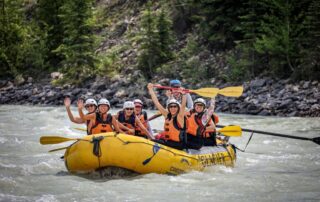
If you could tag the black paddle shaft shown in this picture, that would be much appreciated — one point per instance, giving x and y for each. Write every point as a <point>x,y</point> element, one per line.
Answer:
<point>315,140</point>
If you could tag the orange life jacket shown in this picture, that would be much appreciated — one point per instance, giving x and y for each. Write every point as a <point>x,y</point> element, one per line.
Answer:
<point>143,118</point>
<point>172,130</point>
<point>89,125</point>
<point>101,126</point>
<point>129,123</point>
<point>194,122</point>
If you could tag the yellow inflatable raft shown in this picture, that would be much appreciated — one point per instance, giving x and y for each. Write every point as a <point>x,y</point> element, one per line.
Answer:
<point>141,155</point>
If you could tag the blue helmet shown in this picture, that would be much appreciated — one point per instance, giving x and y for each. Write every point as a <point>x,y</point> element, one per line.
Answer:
<point>175,83</point>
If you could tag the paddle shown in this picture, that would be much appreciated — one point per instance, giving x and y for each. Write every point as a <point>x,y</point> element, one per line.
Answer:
<point>210,92</point>
<point>153,117</point>
<point>155,150</point>
<point>81,129</point>
<point>55,139</point>
<point>315,139</point>
<point>230,131</point>
<point>58,149</point>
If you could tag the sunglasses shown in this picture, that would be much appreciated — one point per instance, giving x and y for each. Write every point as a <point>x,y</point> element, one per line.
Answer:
<point>173,106</point>
<point>129,108</point>
<point>138,106</point>
<point>87,106</point>
<point>200,105</point>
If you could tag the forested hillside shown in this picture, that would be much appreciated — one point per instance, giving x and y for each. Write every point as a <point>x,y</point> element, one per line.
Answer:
<point>190,39</point>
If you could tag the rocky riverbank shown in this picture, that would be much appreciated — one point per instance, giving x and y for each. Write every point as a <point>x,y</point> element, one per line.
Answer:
<point>262,96</point>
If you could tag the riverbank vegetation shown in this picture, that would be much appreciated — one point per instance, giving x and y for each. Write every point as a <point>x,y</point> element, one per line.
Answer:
<point>194,40</point>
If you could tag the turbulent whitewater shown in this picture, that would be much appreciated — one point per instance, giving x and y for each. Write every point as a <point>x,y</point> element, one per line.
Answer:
<point>271,169</point>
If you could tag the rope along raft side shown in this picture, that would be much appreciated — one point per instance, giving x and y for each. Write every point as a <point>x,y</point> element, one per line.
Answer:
<point>141,155</point>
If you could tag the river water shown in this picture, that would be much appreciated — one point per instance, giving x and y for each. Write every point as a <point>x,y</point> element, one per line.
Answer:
<point>271,169</point>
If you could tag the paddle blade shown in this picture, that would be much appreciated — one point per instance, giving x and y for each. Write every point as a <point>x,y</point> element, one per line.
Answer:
<point>54,139</point>
<point>316,140</point>
<point>231,131</point>
<point>231,91</point>
<point>206,92</point>
<point>147,160</point>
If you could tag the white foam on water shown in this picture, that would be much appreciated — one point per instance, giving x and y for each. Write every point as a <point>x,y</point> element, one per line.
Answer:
<point>5,165</point>
<point>42,167</point>
<point>18,141</point>
<point>3,140</point>
<point>10,197</point>
<point>47,198</point>
<point>271,169</point>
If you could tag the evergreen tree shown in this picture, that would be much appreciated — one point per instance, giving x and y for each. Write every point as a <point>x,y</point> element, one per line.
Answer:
<point>21,51</point>
<point>310,47</point>
<point>150,47</point>
<point>78,40</point>
<point>49,21</point>
<point>218,20</point>
<point>165,35</point>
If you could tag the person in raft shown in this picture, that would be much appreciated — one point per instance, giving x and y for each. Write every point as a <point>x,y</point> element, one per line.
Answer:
<point>175,121</point>
<point>91,107</point>
<point>143,117</point>
<point>102,121</point>
<point>176,95</point>
<point>128,121</point>
<point>199,135</point>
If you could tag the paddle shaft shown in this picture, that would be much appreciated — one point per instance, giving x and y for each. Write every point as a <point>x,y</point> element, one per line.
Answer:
<point>171,88</point>
<point>231,131</point>
<point>152,117</point>
<point>315,140</point>
<point>209,92</point>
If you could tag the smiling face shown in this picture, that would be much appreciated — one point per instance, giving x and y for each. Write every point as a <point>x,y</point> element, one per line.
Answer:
<point>90,108</point>
<point>173,109</point>
<point>199,107</point>
<point>103,108</point>
<point>137,109</point>
<point>128,111</point>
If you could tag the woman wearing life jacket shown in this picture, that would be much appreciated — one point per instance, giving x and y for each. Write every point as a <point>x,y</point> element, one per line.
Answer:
<point>199,134</point>
<point>143,117</point>
<point>175,121</point>
<point>91,107</point>
<point>128,120</point>
<point>102,121</point>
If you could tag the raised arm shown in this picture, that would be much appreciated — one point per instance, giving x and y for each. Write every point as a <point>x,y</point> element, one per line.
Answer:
<point>189,101</point>
<point>67,103</point>
<point>182,109</point>
<point>82,115</point>
<point>155,100</point>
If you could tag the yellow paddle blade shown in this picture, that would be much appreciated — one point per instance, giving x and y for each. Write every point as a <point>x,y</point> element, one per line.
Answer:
<point>206,92</point>
<point>231,131</point>
<point>212,92</point>
<point>231,91</point>
<point>54,139</point>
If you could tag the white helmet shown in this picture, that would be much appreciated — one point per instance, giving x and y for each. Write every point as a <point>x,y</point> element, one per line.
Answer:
<point>128,104</point>
<point>90,101</point>
<point>173,101</point>
<point>104,101</point>
<point>138,101</point>
<point>200,100</point>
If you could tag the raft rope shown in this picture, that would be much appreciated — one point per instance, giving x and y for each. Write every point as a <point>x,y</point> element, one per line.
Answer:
<point>128,142</point>
<point>96,147</point>
<point>243,150</point>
